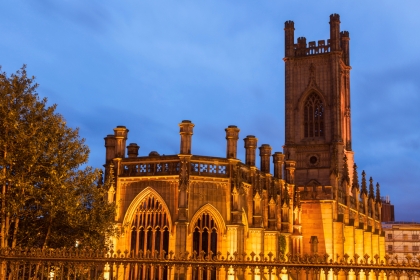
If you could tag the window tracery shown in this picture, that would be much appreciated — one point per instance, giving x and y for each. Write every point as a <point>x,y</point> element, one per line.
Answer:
<point>313,116</point>
<point>205,240</point>
<point>150,232</point>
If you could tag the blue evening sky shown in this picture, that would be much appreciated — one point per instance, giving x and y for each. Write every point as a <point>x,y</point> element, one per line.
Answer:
<point>149,65</point>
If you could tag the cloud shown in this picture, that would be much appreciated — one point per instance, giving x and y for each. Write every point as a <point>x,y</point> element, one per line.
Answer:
<point>150,64</point>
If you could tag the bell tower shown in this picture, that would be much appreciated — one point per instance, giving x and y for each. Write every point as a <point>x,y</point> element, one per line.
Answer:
<point>317,100</point>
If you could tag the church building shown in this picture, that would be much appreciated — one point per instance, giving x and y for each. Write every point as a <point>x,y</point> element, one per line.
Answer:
<point>313,203</point>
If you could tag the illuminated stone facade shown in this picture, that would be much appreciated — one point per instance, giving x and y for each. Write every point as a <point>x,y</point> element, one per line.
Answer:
<point>312,203</point>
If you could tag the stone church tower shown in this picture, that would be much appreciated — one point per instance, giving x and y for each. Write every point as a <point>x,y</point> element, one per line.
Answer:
<point>317,98</point>
<point>318,142</point>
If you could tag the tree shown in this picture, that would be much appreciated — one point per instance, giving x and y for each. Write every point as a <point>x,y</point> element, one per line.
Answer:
<point>47,199</point>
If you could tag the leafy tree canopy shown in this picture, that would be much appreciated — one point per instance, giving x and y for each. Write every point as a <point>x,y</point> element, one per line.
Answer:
<point>47,198</point>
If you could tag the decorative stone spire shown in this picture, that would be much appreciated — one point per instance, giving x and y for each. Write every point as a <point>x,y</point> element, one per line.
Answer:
<point>110,183</point>
<point>355,178</point>
<point>371,191</point>
<point>346,176</point>
<point>378,193</point>
<point>297,200</point>
<point>286,196</point>
<point>364,187</point>
<point>100,181</point>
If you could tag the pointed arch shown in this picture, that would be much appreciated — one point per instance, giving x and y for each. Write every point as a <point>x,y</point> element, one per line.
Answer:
<point>209,209</point>
<point>207,228</point>
<point>313,182</point>
<point>313,109</point>
<point>311,88</point>
<point>131,210</point>
<point>148,222</point>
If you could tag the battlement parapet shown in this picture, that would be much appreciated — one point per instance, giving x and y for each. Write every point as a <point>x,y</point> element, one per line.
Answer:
<point>204,166</point>
<point>301,49</point>
<point>335,17</point>
<point>338,41</point>
<point>345,34</point>
<point>289,24</point>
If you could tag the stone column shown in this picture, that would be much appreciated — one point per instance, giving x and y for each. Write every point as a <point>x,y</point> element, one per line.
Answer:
<point>265,154</point>
<point>278,159</point>
<point>232,136</point>
<point>109,147</point>
<point>289,38</point>
<point>186,132</point>
<point>335,32</point>
<point>120,135</point>
<point>290,171</point>
<point>345,46</point>
<point>250,147</point>
<point>133,150</point>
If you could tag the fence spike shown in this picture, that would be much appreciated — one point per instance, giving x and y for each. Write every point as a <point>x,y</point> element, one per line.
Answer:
<point>261,256</point>
<point>252,255</point>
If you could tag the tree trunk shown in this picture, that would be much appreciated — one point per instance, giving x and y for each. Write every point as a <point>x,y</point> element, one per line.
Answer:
<point>6,230</point>
<point>16,224</point>
<point>47,236</point>
<point>15,231</point>
<point>3,215</point>
<point>3,204</point>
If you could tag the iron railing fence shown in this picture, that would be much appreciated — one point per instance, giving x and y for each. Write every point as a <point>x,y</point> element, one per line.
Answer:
<point>52,264</point>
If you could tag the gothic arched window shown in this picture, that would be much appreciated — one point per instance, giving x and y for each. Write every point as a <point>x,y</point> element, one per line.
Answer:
<point>205,240</point>
<point>150,232</point>
<point>313,116</point>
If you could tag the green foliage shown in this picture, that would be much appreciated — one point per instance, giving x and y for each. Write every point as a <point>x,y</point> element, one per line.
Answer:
<point>47,199</point>
<point>282,244</point>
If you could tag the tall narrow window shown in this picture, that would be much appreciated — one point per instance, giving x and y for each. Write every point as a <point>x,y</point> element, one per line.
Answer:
<point>149,234</point>
<point>205,240</point>
<point>313,116</point>
<point>314,244</point>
